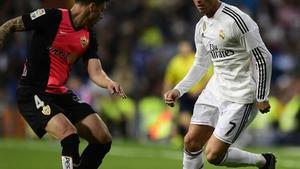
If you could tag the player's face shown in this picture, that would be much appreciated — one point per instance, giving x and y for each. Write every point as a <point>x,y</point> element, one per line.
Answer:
<point>204,6</point>
<point>95,13</point>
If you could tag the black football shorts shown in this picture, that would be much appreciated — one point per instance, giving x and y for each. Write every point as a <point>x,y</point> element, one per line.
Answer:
<point>39,107</point>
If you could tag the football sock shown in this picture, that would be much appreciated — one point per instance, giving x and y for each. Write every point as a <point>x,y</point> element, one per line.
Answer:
<point>93,154</point>
<point>192,160</point>
<point>70,151</point>
<point>239,158</point>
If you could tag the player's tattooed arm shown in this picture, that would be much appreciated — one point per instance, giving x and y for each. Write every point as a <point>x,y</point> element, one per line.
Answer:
<point>12,25</point>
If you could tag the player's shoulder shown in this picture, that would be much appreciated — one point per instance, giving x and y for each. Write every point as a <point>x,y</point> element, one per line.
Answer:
<point>46,11</point>
<point>239,18</point>
<point>199,23</point>
<point>201,20</point>
<point>51,13</point>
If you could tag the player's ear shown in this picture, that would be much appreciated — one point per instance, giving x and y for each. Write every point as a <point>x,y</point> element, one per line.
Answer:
<point>92,6</point>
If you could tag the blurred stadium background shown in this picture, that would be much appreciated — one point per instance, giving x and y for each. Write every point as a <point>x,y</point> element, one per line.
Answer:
<point>137,40</point>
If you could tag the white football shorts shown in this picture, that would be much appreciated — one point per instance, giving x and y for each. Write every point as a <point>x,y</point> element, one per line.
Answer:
<point>228,118</point>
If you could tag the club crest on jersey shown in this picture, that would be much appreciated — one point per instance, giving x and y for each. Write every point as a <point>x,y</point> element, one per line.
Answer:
<point>46,110</point>
<point>37,13</point>
<point>84,42</point>
<point>222,34</point>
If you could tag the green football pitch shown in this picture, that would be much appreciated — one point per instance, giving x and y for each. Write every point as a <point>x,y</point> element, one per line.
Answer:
<point>35,154</point>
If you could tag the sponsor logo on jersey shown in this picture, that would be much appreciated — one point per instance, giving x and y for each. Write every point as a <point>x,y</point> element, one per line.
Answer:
<point>59,52</point>
<point>37,13</point>
<point>222,34</point>
<point>216,53</point>
<point>71,58</point>
<point>84,42</point>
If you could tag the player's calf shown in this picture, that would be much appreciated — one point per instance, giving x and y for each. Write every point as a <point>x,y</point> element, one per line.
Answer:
<point>93,155</point>
<point>214,157</point>
<point>70,151</point>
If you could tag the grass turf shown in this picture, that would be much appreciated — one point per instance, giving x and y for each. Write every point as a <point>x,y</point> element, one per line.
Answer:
<point>35,154</point>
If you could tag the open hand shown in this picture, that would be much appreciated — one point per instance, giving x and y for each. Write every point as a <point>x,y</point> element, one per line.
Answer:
<point>115,88</point>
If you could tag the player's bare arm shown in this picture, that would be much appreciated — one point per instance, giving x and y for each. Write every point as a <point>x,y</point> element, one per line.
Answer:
<point>99,77</point>
<point>13,25</point>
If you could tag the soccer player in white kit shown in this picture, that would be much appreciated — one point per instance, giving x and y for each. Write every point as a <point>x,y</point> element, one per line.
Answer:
<point>229,39</point>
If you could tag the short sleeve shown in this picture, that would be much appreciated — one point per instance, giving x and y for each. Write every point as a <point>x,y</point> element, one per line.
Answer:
<point>92,49</point>
<point>41,18</point>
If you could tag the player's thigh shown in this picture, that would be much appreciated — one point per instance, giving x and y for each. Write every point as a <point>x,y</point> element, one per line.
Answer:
<point>93,129</point>
<point>233,120</point>
<point>197,137</point>
<point>37,108</point>
<point>60,126</point>
<point>206,110</point>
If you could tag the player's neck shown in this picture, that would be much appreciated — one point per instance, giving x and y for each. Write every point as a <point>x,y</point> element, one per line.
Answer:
<point>77,16</point>
<point>214,9</point>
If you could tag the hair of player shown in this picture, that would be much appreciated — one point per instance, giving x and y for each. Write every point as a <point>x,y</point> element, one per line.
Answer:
<point>86,2</point>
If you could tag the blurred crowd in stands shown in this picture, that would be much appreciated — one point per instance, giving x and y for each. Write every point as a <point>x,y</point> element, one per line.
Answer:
<point>138,38</point>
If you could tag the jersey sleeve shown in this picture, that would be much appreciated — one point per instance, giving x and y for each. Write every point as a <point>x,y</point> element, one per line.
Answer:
<point>252,42</point>
<point>41,18</point>
<point>92,49</point>
<point>198,69</point>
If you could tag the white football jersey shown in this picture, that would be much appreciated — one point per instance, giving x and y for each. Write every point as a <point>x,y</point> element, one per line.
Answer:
<point>230,40</point>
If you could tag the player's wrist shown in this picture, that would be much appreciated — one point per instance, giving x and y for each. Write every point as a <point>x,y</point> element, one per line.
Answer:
<point>262,100</point>
<point>180,93</point>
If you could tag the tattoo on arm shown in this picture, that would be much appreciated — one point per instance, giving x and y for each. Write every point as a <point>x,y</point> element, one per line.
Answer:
<point>13,25</point>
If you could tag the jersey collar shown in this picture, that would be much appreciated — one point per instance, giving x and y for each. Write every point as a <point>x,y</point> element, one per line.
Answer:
<point>219,11</point>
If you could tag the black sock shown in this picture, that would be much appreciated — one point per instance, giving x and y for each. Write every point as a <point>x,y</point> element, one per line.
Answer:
<point>93,155</point>
<point>70,150</point>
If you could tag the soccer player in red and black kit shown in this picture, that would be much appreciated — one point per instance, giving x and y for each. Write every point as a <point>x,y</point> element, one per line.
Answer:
<point>61,37</point>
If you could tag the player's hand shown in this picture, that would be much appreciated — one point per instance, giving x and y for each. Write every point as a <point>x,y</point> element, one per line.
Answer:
<point>263,107</point>
<point>115,88</point>
<point>171,96</point>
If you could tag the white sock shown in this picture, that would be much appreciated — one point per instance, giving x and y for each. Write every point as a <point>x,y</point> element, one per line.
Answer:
<point>192,160</point>
<point>239,158</point>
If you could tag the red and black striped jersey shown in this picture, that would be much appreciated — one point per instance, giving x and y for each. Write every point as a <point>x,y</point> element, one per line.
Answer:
<point>56,45</point>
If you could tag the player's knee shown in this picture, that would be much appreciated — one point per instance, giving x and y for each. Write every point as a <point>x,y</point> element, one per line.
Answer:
<point>103,148</point>
<point>103,138</point>
<point>67,130</point>
<point>60,127</point>
<point>107,138</point>
<point>70,140</point>
<point>213,156</point>
<point>191,143</point>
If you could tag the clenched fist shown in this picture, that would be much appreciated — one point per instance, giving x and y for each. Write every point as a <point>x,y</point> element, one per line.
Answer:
<point>171,96</point>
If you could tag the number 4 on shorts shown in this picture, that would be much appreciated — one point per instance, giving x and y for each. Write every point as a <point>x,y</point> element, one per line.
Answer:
<point>38,102</point>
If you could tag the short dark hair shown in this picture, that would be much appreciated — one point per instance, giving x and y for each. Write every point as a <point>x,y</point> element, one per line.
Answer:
<point>91,1</point>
